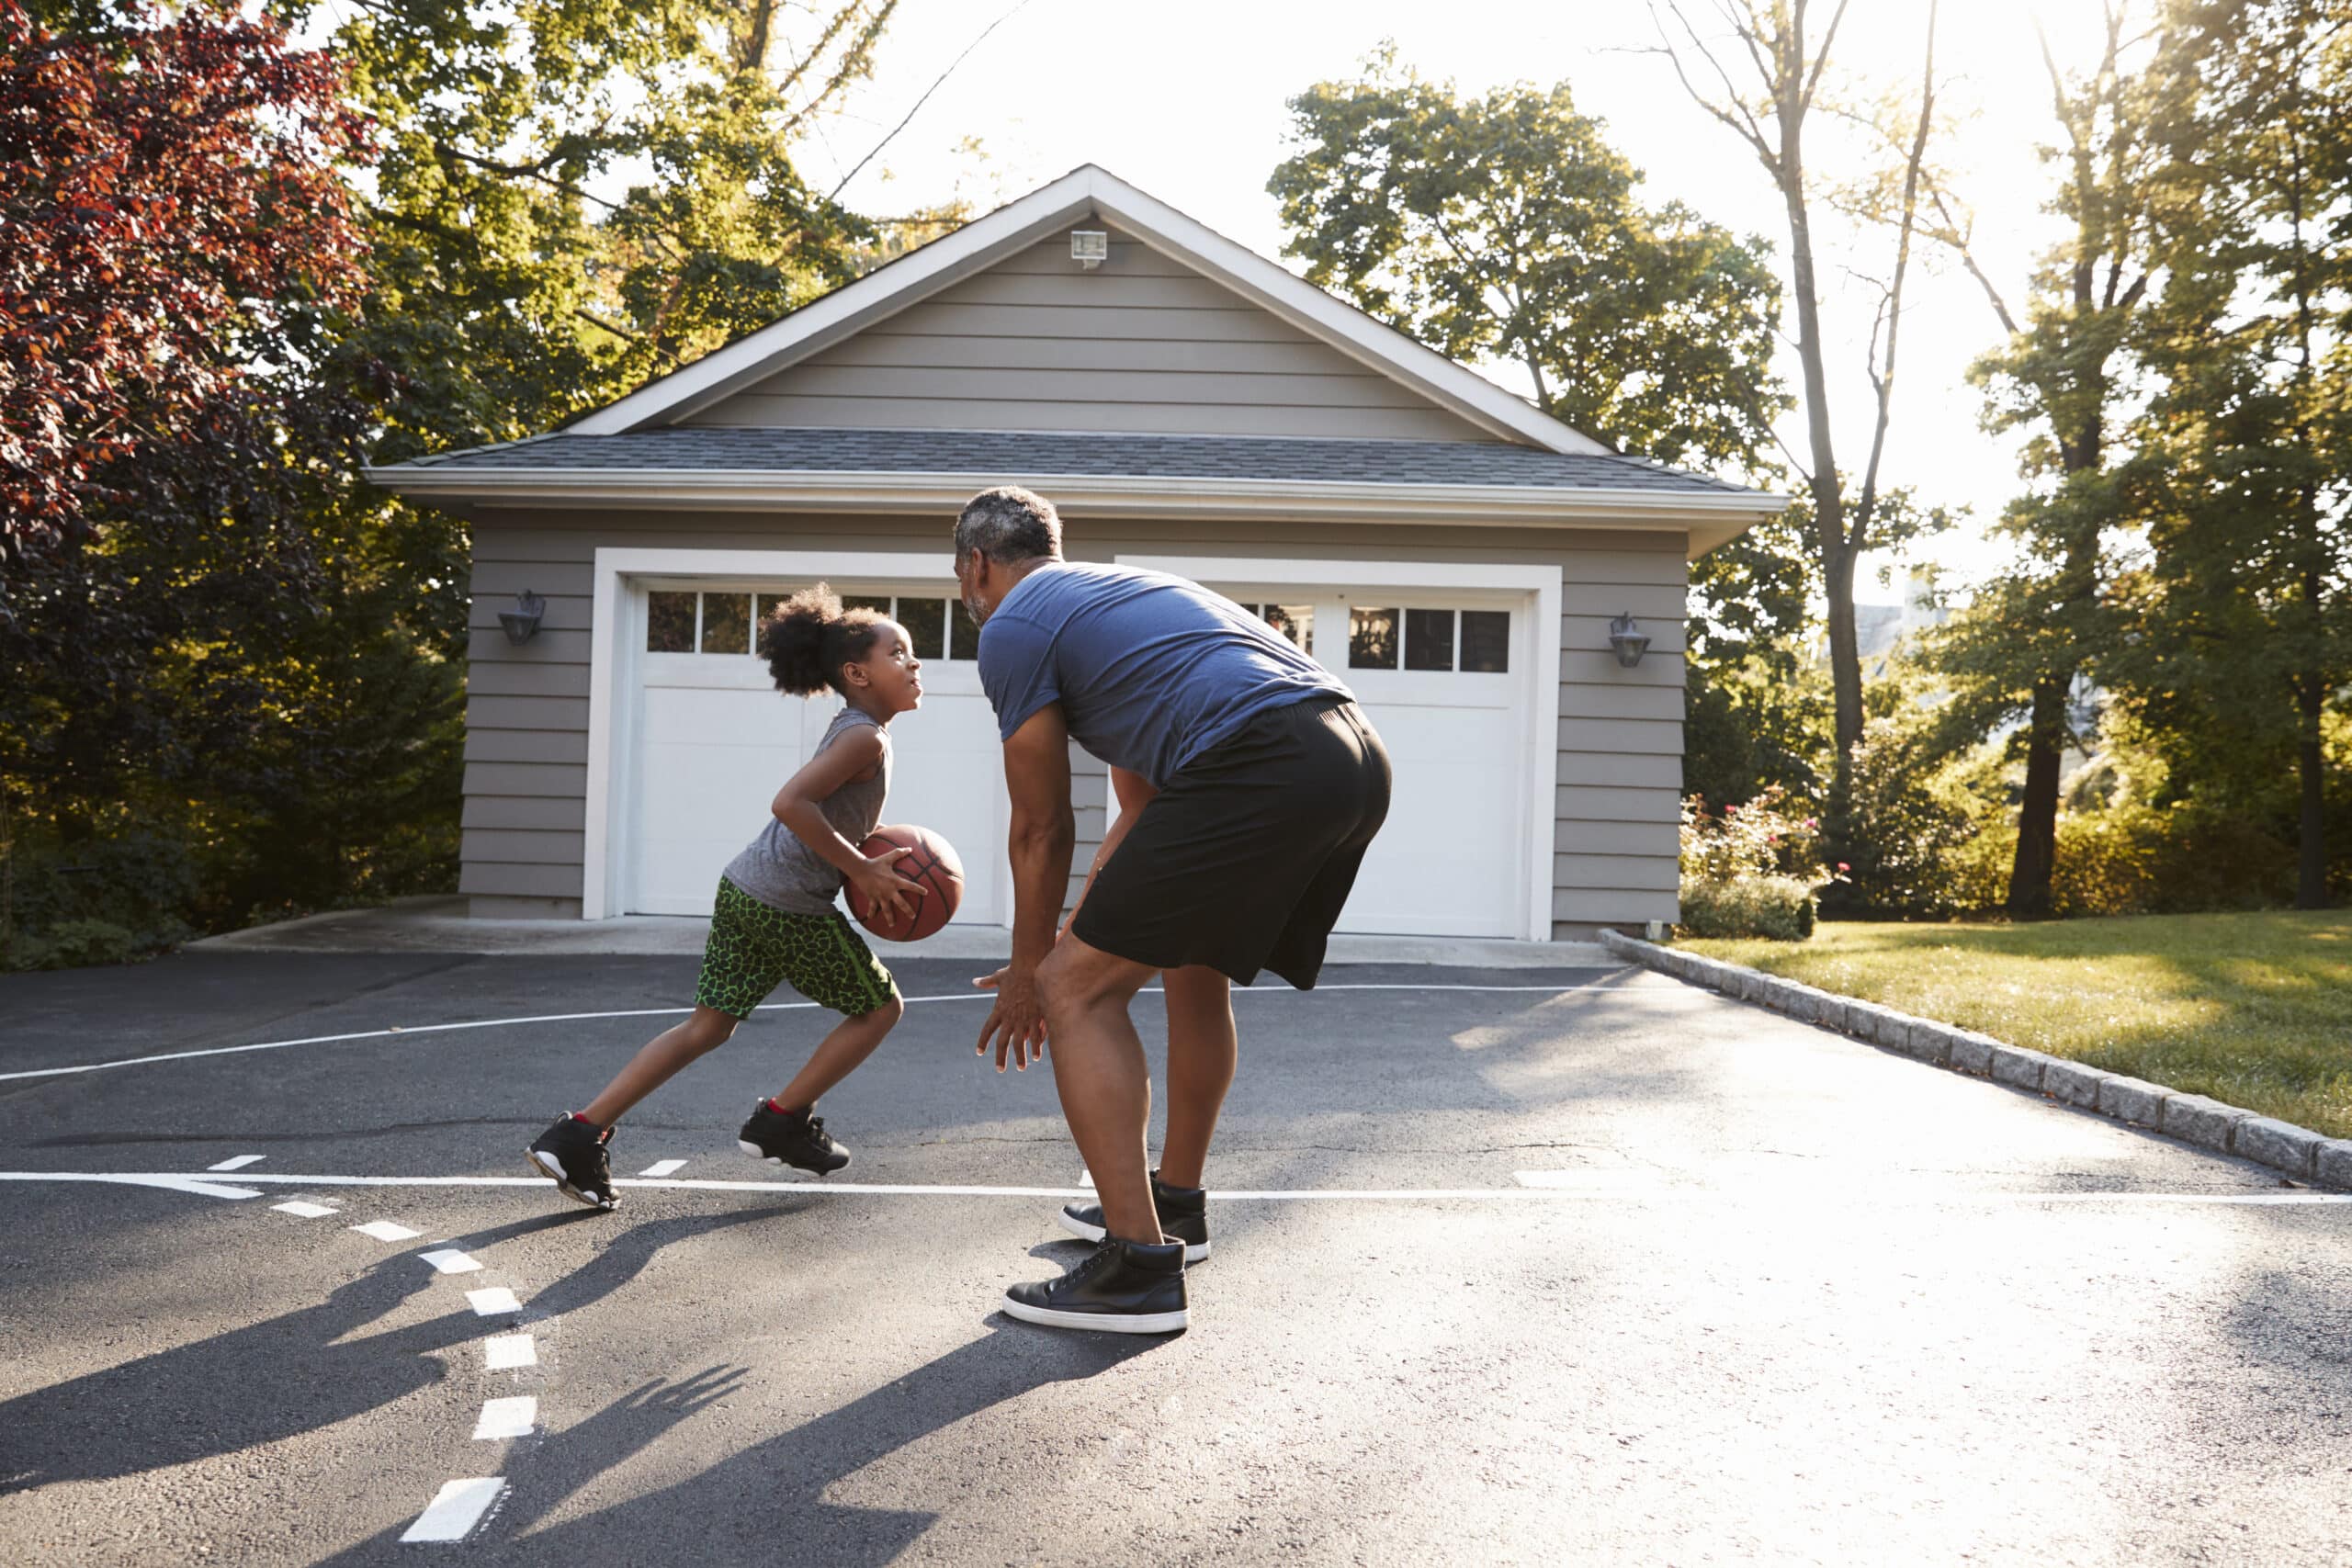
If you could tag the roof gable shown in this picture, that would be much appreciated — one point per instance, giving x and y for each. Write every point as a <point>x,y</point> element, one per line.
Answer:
<point>1314,365</point>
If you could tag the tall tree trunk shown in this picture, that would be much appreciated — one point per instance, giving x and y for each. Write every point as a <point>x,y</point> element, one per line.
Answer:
<point>2036,856</point>
<point>2311,846</point>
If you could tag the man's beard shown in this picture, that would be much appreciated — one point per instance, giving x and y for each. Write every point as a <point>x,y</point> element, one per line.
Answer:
<point>972,607</point>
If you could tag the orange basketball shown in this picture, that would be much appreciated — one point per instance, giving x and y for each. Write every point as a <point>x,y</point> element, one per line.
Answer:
<point>932,862</point>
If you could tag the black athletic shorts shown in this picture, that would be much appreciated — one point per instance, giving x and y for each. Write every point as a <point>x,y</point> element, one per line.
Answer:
<point>1244,860</point>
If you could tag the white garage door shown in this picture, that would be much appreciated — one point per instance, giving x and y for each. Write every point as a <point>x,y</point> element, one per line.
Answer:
<point>713,740</point>
<point>1443,677</point>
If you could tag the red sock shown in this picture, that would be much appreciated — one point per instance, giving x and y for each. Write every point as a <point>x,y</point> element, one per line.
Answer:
<point>779,1109</point>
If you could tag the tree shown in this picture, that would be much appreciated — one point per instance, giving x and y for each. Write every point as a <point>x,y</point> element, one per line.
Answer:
<point>1506,228</point>
<point>1768,77</point>
<point>171,209</point>
<point>2246,603</point>
<point>2034,629</point>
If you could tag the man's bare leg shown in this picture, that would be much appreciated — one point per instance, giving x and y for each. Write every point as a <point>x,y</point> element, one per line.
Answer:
<point>1200,1068</point>
<point>1099,1072</point>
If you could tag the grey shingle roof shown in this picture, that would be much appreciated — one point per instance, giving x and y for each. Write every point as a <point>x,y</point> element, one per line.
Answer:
<point>1016,454</point>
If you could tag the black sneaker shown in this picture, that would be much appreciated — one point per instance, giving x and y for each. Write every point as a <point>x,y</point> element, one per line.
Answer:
<point>574,1153</point>
<point>1183,1216</point>
<point>797,1139</point>
<point>1123,1287</point>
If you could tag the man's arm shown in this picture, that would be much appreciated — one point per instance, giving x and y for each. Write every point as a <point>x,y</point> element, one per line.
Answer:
<point>1037,777</point>
<point>1135,792</point>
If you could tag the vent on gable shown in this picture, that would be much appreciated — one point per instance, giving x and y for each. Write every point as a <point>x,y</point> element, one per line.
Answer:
<point>1090,248</point>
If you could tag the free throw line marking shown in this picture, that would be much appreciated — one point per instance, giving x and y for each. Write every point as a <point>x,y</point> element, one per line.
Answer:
<point>496,1300</point>
<point>502,1351</point>
<point>457,1509</point>
<point>674,1013</point>
<point>449,1260</point>
<point>303,1209</point>
<point>511,1417</point>
<point>1626,1192</point>
<point>662,1167</point>
<point>384,1230</point>
<point>238,1163</point>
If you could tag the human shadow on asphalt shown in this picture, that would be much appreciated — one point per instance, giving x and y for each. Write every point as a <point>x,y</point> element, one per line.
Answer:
<point>299,1373</point>
<point>767,1503</point>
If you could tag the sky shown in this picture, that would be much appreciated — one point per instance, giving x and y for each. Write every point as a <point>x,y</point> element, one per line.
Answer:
<point>1188,103</point>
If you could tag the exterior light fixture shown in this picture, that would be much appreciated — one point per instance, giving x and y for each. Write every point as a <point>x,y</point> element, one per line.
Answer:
<point>1630,644</point>
<point>1090,248</point>
<point>522,622</point>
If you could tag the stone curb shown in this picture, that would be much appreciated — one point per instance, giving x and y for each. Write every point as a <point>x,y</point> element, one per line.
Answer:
<point>2297,1152</point>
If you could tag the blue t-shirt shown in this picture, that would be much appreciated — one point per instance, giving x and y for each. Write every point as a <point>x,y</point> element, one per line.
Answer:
<point>1150,670</point>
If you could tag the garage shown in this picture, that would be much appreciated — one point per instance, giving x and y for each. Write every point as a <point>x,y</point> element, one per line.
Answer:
<point>1466,563</point>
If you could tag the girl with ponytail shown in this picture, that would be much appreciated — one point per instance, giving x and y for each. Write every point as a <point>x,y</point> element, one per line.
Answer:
<point>775,920</point>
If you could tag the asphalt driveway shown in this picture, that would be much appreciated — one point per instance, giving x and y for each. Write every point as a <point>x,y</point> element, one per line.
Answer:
<point>1511,1267</point>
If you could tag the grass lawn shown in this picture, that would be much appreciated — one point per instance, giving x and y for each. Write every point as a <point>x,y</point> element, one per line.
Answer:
<point>2250,1008</point>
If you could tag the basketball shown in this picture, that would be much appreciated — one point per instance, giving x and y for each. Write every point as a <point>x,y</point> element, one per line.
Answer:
<point>932,862</point>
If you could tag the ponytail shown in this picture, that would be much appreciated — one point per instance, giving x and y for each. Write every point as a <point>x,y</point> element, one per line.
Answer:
<point>810,636</point>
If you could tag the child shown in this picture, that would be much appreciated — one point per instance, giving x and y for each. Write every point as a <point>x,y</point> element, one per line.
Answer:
<point>776,918</point>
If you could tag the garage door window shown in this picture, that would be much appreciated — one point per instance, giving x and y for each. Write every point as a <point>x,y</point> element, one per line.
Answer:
<point>682,621</point>
<point>726,623</point>
<point>1296,622</point>
<point>1470,641</point>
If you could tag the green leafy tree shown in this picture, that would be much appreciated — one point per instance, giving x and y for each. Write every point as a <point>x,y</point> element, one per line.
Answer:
<point>2243,617</point>
<point>1506,228</point>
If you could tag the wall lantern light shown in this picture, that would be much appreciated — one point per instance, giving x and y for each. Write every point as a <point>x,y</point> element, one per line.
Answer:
<point>522,621</point>
<point>1630,644</point>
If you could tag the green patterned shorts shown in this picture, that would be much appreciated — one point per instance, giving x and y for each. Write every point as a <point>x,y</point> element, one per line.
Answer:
<point>754,948</point>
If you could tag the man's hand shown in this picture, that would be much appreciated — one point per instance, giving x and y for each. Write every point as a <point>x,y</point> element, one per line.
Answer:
<point>878,882</point>
<point>1017,1022</point>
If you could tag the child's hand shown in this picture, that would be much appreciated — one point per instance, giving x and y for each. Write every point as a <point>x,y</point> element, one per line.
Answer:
<point>878,882</point>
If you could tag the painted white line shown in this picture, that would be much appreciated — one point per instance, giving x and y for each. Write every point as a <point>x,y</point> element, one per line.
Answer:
<point>814,1188</point>
<point>512,1417</point>
<point>384,1230</point>
<point>303,1209</point>
<point>1577,1180</point>
<point>496,1300</point>
<point>196,1184</point>
<point>1086,1179</point>
<point>457,1509</point>
<point>764,1007</point>
<point>662,1167</point>
<point>238,1163</point>
<point>501,1352</point>
<point>449,1260</point>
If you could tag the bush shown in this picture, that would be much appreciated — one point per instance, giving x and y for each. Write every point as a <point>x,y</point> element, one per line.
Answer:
<point>1778,907</point>
<point>73,944</point>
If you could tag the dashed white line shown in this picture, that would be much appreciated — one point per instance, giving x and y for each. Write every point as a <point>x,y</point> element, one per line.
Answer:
<point>238,1163</point>
<point>502,1351</point>
<point>512,1417</point>
<point>457,1509</point>
<point>449,1260</point>
<point>496,1300</point>
<point>663,1167</point>
<point>302,1208</point>
<point>384,1230</point>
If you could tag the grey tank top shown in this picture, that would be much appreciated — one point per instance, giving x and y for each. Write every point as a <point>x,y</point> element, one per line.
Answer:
<point>783,873</point>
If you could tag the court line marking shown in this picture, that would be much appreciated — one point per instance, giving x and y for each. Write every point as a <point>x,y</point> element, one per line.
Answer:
<point>501,1352</point>
<point>663,1167</point>
<point>238,1163</point>
<point>449,1260</point>
<point>764,1007</point>
<point>1627,1191</point>
<point>457,1509</point>
<point>384,1230</point>
<point>302,1209</point>
<point>494,1301</point>
<point>511,1417</point>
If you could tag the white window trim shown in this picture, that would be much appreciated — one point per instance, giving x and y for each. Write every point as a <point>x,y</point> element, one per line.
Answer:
<point>1542,584</point>
<point>613,664</point>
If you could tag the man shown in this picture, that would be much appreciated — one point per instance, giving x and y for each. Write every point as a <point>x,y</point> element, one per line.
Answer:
<point>1249,785</point>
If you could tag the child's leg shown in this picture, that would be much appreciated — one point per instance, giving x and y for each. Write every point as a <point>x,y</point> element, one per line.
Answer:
<point>659,1061</point>
<point>837,1055</point>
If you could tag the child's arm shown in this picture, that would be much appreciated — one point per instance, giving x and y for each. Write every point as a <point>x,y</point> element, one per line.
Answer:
<point>855,755</point>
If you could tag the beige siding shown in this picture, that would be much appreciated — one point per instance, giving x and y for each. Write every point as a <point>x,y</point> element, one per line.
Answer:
<point>1140,345</point>
<point>1620,730</point>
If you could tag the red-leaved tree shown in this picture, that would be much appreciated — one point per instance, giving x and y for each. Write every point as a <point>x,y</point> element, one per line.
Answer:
<point>169,200</point>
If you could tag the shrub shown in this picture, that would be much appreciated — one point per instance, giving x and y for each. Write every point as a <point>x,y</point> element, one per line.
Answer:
<point>1778,907</point>
<point>72,945</point>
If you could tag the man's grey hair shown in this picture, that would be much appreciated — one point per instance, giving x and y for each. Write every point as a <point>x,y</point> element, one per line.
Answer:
<point>1009,525</point>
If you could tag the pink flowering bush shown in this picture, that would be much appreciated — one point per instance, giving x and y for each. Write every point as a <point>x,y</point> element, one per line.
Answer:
<point>1751,870</point>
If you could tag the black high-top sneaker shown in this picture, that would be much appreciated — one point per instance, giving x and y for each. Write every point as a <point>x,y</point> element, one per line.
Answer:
<point>1183,1216</point>
<point>797,1139</point>
<point>1122,1287</point>
<point>573,1151</point>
